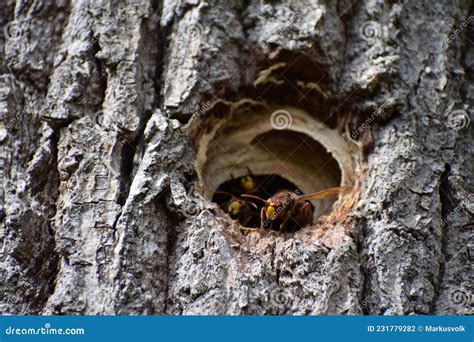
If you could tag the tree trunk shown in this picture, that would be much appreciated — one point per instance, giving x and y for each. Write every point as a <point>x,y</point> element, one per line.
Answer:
<point>106,199</point>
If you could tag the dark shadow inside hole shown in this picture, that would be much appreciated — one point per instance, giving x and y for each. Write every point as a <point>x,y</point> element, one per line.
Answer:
<point>247,210</point>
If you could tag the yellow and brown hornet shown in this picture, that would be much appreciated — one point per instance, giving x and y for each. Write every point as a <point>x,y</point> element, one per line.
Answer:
<point>286,206</point>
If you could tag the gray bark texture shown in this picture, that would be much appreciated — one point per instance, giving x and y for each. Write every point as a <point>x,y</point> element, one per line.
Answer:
<point>105,107</point>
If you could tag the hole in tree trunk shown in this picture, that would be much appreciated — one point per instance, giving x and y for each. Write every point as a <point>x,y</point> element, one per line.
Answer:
<point>295,152</point>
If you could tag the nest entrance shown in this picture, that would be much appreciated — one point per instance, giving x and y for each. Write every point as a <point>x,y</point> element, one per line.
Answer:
<point>304,155</point>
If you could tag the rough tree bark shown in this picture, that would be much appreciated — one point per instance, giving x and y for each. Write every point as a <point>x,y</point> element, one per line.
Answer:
<point>97,172</point>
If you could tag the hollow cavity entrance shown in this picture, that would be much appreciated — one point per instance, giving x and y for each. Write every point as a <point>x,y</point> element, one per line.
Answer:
<point>305,156</point>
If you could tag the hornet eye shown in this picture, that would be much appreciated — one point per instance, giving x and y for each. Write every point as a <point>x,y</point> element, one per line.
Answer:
<point>270,212</point>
